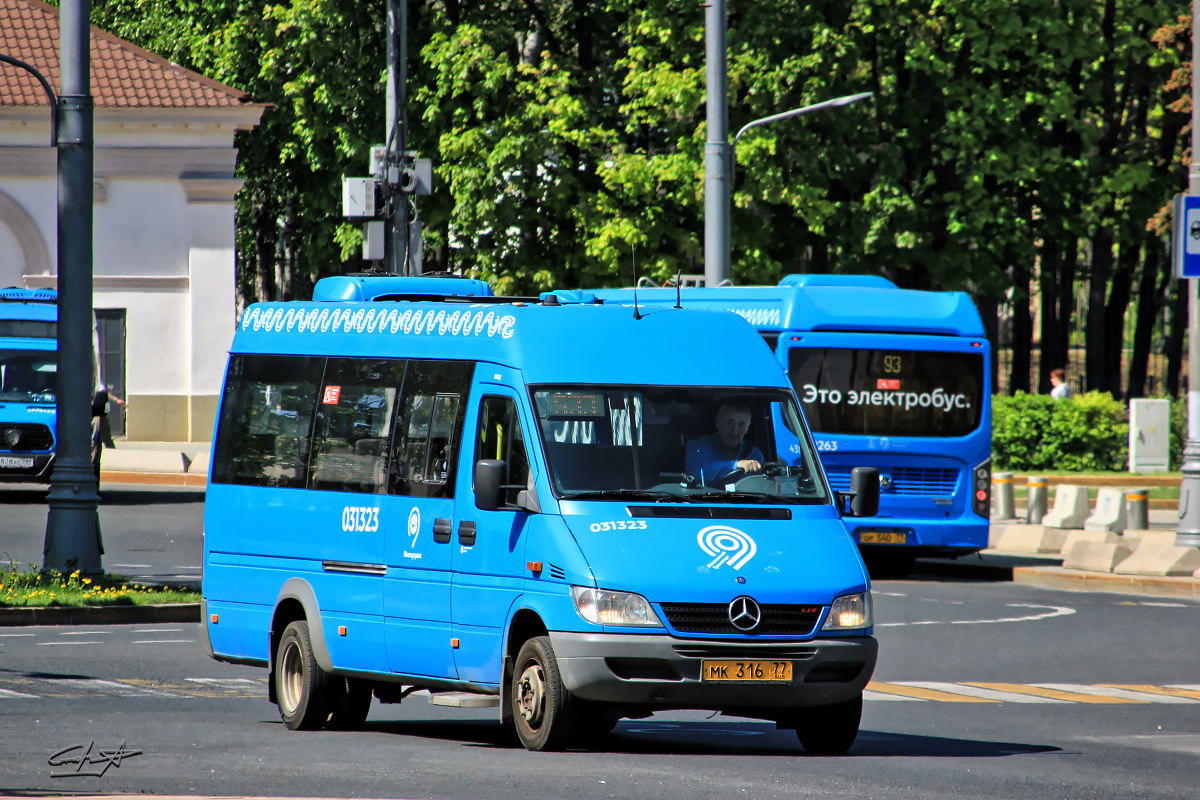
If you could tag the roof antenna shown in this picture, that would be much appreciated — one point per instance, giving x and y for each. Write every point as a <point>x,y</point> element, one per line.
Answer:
<point>678,282</point>
<point>633,258</point>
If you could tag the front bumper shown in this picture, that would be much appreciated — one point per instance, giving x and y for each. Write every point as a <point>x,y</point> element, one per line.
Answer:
<point>662,671</point>
<point>43,464</point>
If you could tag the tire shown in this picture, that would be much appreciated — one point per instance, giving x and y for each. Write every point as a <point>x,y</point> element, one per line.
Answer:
<point>830,730</point>
<point>301,686</point>
<point>543,712</point>
<point>349,703</point>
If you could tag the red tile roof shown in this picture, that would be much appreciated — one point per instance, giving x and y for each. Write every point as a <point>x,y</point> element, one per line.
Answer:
<point>123,75</point>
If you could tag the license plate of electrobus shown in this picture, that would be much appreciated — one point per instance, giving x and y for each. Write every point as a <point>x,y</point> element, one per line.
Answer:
<point>882,537</point>
<point>16,462</point>
<point>746,671</point>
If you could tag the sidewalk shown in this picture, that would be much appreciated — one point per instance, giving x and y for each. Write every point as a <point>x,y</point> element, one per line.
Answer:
<point>157,463</point>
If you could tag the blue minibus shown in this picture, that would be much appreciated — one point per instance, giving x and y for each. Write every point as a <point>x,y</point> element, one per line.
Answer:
<point>28,383</point>
<point>890,378</point>
<point>542,505</point>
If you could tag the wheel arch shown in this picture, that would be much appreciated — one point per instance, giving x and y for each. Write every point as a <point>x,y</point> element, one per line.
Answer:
<point>525,624</point>
<point>297,601</point>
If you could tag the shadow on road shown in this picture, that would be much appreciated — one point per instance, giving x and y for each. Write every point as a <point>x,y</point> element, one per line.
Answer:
<point>640,737</point>
<point>110,497</point>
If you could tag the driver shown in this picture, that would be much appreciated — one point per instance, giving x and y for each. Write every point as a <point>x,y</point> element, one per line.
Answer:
<point>725,449</point>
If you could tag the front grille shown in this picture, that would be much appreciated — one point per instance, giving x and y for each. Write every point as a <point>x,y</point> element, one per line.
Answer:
<point>777,619</point>
<point>33,437</point>
<point>910,481</point>
<point>742,652</point>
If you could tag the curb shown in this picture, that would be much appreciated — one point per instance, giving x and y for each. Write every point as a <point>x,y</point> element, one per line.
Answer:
<point>153,478</point>
<point>99,615</point>
<point>1075,580</point>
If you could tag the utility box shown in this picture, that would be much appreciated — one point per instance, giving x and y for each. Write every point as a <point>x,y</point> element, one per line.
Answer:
<point>374,241</point>
<point>1149,435</point>
<point>358,197</point>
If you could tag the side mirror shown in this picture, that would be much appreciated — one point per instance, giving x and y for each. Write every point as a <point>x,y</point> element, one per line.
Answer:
<point>489,480</point>
<point>864,492</point>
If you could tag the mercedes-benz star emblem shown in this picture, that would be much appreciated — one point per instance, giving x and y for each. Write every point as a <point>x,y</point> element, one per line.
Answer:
<point>744,613</point>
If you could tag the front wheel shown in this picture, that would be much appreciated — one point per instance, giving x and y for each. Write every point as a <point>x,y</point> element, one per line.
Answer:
<point>542,707</point>
<point>830,730</point>
<point>301,686</point>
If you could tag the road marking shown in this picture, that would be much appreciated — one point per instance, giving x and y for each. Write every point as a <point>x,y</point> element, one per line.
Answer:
<point>240,684</point>
<point>162,641</point>
<point>11,693</point>
<point>1194,687</point>
<point>976,691</point>
<point>1056,694</point>
<point>1142,687</point>
<point>872,695</point>
<point>1165,605</point>
<point>110,688</point>
<point>156,630</point>
<point>51,644</point>
<point>10,635</point>
<point>1105,691</point>
<point>139,566</point>
<point>921,694</point>
<point>85,633</point>
<point>1053,611</point>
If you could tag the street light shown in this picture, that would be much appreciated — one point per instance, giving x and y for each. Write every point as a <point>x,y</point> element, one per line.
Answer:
<point>795,112</point>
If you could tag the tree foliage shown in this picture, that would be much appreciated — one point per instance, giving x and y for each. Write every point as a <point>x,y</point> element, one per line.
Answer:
<point>1010,146</point>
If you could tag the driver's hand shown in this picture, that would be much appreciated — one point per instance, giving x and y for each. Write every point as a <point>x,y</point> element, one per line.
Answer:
<point>749,465</point>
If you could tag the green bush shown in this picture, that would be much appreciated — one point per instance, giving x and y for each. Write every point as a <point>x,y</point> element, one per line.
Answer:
<point>1035,432</point>
<point>1178,431</point>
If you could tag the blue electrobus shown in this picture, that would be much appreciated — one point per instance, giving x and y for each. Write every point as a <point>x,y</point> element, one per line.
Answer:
<point>28,383</point>
<point>889,378</point>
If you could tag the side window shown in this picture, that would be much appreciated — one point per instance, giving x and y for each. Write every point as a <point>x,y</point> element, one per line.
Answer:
<point>428,428</point>
<point>266,420</point>
<point>499,436</point>
<point>355,409</point>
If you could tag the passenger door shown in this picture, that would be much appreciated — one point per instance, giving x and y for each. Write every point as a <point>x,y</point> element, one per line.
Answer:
<point>419,512</point>
<point>489,546</point>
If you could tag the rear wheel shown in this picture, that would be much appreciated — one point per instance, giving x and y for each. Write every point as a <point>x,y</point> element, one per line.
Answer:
<point>830,730</point>
<point>543,713</point>
<point>301,686</point>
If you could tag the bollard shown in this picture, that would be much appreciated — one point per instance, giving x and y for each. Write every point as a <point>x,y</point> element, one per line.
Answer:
<point>1036,500</point>
<point>1005,505</point>
<point>1137,509</point>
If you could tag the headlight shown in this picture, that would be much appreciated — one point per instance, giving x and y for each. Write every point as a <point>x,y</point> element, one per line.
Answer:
<point>613,608</point>
<point>851,611</point>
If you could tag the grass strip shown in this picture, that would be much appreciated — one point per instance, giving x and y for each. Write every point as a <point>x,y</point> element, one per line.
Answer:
<point>27,588</point>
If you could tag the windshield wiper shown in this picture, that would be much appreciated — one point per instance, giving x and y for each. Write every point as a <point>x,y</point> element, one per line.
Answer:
<point>624,494</point>
<point>755,497</point>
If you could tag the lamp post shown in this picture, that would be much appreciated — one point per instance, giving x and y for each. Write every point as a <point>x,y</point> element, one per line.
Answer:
<point>1187,530</point>
<point>72,526</point>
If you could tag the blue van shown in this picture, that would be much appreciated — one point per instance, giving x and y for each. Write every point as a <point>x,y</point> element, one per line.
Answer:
<point>547,505</point>
<point>28,383</point>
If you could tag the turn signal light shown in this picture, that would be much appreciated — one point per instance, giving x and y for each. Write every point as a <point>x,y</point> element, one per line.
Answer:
<point>213,617</point>
<point>534,566</point>
<point>341,630</point>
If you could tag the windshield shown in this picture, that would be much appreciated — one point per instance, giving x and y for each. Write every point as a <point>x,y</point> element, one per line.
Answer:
<point>888,392</point>
<point>28,376</point>
<point>677,444</point>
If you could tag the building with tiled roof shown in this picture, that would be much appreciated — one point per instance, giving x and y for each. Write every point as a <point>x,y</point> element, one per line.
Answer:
<point>164,185</point>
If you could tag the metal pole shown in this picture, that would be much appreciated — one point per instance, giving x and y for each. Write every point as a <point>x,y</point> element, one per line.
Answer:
<point>396,222</point>
<point>716,149</point>
<point>72,528</point>
<point>1187,531</point>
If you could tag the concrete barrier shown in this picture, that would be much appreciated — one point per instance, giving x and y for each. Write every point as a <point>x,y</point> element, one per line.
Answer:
<point>1110,511</point>
<point>1156,559</point>
<point>1036,497</point>
<point>1023,538</point>
<point>1096,556</point>
<point>1157,538</point>
<point>127,460</point>
<point>1070,507</point>
<point>199,465</point>
<point>1096,537</point>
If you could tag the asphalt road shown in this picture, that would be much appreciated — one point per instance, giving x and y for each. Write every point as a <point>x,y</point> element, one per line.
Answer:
<point>984,689</point>
<point>149,532</point>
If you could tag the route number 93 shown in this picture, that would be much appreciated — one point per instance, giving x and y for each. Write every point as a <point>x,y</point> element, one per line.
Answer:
<point>360,518</point>
<point>618,525</point>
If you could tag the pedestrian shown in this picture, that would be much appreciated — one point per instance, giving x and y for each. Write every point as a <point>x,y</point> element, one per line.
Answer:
<point>1058,380</point>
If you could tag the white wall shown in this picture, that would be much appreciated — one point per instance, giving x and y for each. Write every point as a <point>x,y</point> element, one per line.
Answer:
<point>212,285</point>
<point>141,229</point>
